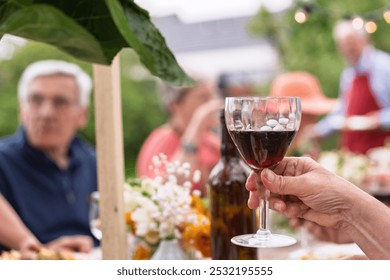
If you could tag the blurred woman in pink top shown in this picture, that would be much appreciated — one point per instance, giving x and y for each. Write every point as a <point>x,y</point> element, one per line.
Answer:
<point>188,136</point>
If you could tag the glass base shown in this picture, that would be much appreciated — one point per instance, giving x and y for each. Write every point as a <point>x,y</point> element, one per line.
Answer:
<point>271,241</point>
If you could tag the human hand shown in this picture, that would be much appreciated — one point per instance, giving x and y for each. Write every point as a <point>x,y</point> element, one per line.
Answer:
<point>206,115</point>
<point>77,243</point>
<point>29,248</point>
<point>368,121</point>
<point>204,118</point>
<point>301,188</point>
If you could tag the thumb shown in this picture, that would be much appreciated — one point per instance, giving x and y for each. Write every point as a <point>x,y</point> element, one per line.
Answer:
<point>283,185</point>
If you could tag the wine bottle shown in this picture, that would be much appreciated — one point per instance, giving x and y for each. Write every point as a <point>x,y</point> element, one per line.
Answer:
<point>229,213</point>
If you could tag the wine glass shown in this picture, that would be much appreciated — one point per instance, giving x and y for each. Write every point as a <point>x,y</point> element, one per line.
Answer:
<point>262,128</point>
<point>94,217</point>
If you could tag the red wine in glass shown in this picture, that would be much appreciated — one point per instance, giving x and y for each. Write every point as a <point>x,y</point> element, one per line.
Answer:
<point>262,149</point>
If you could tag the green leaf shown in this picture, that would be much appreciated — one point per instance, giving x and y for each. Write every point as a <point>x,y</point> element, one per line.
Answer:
<point>93,30</point>
<point>95,17</point>
<point>135,26</point>
<point>47,24</point>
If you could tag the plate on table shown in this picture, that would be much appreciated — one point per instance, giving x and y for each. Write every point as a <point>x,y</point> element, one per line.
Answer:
<point>327,251</point>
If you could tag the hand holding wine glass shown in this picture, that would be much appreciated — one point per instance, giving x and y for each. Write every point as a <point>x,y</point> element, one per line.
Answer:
<point>302,188</point>
<point>262,129</point>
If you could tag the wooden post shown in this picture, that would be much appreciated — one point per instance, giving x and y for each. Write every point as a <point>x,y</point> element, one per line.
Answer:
<point>109,141</point>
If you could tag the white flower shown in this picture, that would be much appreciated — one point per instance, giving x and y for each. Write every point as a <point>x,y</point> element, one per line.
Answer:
<point>180,171</point>
<point>163,157</point>
<point>167,229</point>
<point>196,176</point>
<point>172,179</point>
<point>156,161</point>
<point>197,193</point>
<point>160,205</point>
<point>187,185</point>
<point>142,217</point>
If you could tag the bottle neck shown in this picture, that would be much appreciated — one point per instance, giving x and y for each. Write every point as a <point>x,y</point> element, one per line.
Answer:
<point>228,149</point>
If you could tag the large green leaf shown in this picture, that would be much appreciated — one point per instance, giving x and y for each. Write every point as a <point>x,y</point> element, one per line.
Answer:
<point>47,24</point>
<point>92,30</point>
<point>95,17</point>
<point>135,26</point>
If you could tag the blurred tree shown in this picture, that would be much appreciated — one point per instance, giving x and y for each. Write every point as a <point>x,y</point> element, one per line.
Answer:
<point>138,97</point>
<point>310,46</point>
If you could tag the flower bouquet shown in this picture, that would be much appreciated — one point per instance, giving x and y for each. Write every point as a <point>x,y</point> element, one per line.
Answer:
<point>163,208</point>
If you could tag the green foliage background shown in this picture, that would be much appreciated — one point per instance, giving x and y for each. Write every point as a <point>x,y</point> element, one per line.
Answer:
<point>140,104</point>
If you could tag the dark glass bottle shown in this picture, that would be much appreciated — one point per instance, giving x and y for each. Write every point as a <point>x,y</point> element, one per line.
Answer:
<point>229,213</point>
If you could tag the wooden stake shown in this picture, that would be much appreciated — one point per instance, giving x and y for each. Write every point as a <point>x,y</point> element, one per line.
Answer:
<point>109,141</point>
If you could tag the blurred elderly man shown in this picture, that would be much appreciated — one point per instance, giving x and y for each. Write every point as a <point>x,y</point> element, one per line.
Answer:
<point>46,172</point>
<point>364,115</point>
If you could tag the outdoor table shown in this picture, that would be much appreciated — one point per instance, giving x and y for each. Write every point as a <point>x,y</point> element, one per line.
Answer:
<point>315,250</point>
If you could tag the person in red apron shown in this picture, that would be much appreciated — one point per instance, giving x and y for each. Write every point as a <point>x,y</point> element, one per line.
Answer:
<point>364,114</point>
<point>361,101</point>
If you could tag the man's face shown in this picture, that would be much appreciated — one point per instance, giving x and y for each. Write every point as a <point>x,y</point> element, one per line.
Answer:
<point>51,113</point>
<point>351,47</point>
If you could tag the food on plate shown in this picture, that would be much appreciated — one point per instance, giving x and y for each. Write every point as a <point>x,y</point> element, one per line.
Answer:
<point>43,254</point>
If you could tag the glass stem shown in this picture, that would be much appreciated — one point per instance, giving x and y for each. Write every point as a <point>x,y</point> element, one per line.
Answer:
<point>263,232</point>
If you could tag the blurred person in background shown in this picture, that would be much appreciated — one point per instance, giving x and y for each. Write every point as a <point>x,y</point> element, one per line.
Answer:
<point>47,173</point>
<point>189,135</point>
<point>235,85</point>
<point>313,102</point>
<point>364,114</point>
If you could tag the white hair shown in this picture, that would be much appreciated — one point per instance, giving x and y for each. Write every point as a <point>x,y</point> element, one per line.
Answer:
<point>345,27</point>
<point>52,67</point>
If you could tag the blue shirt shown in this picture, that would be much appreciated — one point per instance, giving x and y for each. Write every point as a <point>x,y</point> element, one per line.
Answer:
<point>376,64</point>
<point>50,201</point>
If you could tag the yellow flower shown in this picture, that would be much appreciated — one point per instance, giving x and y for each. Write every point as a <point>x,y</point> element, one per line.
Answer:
<point>197,235</point>
<point>130,222</point>
<point>143,252</point>
<point>197,204</point>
